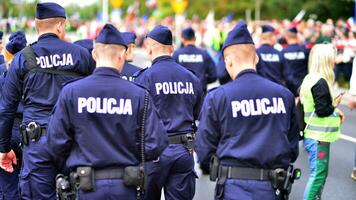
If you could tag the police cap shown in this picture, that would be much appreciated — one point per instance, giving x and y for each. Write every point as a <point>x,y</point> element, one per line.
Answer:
<point>162,35</point>
<point>238,35</point>
<point>110,35</point>
<point>17,42</point>
<point>293,30</point>
<point>129,37</point>
<point>267,28</point>
<point>188,33</point>
<point>49,10</point>
<point>86,43</point>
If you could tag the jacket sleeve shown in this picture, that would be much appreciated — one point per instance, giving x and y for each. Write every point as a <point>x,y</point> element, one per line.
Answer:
<point>322,98</point>
<point>156,139</point>
<point>10,98</point>
<point>60,132</point>
<point>293,133</point>
<point>211,69</point>
<point>208,134</point>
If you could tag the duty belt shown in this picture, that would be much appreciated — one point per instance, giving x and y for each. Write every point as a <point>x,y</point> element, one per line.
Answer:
<point>107,173</point>
<point>186,139</point>
<point>31,132</point>
<point>181,139</point>
<point>245,173</point>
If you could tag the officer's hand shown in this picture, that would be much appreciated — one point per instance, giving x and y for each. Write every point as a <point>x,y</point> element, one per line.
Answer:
<point>341,114</point>
<point>7,160</point>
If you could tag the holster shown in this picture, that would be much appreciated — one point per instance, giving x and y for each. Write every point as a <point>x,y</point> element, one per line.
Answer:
<point>65,190</point>
<point>134,176</point>
<point>86,179</point>
<point>220,185</point>
<point>31,131</point>
<point>214,168</point>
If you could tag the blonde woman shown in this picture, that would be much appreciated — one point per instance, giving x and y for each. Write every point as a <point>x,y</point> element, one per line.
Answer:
<point>321,116</point>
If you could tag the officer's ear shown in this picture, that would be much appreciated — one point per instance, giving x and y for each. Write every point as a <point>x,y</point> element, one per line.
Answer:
<point>256,60</point>
<point>93,54</point>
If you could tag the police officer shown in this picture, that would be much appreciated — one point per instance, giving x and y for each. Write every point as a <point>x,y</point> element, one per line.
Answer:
<point>129,69</point>
<point>177,94</point>
<point>36,75</point>
<point>271,62</point>
<point>85,43</point>
<point>195,59</point>
<point>223,76</point>
<point>2,60</point>
<point>88,44</point>
<point>9,181</point>
<point>96,124</point>
<point>249,123</point>
<point>296,57</point>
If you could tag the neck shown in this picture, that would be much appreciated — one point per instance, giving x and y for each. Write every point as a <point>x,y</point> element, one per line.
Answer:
<point>292,42</point>
<point>239,69</point>
<point>159,55</point>
<point>107,63</point>
<point>45,32</point>
<point>186,43</point>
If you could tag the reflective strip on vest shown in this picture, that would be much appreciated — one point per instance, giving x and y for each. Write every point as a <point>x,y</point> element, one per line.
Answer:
<point>323,129</point>
<point>309,114</point>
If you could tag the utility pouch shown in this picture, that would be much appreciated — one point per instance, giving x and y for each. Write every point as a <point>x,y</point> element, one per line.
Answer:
<point>214,168</point>
<point>86,179</point>
<point>24,136</point>
<point>134,176</point>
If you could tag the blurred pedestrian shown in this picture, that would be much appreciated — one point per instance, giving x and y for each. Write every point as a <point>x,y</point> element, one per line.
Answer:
<point>321,116</point>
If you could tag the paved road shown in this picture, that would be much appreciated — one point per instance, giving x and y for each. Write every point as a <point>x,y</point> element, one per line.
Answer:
<point>339,185</point>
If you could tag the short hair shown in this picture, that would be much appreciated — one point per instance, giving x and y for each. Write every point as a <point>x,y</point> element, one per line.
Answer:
<point>107,50</point>
<point>241,51</point>
<point>44,24</point>
<point>267,35</point>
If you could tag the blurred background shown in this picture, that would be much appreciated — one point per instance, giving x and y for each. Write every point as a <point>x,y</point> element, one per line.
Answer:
<point>317,21</point>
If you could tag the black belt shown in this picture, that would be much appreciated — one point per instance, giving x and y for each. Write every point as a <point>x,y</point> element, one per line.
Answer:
<point>180,139</point>
<point>246,173</point>
<point>109,173</point>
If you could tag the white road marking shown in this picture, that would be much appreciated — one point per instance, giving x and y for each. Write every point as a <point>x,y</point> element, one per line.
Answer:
<point>348,138</point>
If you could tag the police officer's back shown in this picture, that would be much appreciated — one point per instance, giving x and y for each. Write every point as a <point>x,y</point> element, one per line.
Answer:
<point>271,61</point>
<point>249,123</point>
<point>9,181</point>
<point>177,94</point>
<point>37,79</point>
<point>296,58</point>
<point>129,69</point>
<point>195,59</point>
<point>97,121</point>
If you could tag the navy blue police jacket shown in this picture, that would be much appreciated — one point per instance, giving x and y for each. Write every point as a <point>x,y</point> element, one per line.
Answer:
<point>97,122</point>
<point>2,60</point>
<point>249,122</point>
<point>128,71</point>
<point>176,93</point>
<point>15,136</point>
<point>198,61</point>
<point>222,73</point>
<point>271,64</point>
<point>3,72</point>
<point>296,57</point>
<point>39,90</point>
